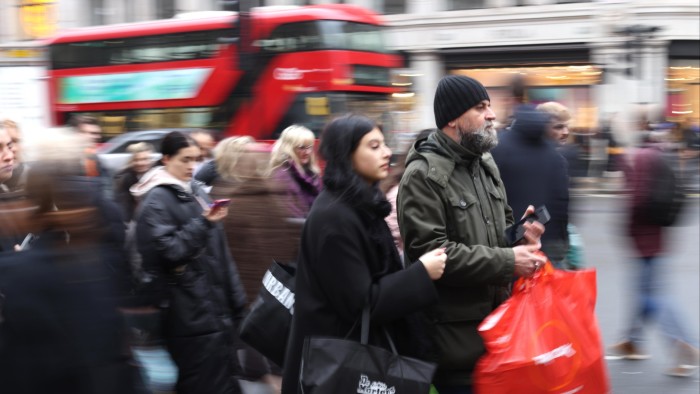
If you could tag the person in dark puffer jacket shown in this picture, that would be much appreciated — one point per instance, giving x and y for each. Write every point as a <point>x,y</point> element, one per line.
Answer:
<point>182,242</point>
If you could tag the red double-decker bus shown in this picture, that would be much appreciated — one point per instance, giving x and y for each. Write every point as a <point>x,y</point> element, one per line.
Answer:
<point>303,65</point>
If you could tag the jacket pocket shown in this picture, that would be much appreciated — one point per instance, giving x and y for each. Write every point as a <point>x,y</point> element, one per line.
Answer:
<point>191,311</point>
<point>498,202</point>
<point>461,216</point>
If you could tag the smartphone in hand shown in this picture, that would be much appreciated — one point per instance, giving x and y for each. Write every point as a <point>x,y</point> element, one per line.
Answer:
<point>27,241</point>
<point>516,232</point>
<point>220,203</point>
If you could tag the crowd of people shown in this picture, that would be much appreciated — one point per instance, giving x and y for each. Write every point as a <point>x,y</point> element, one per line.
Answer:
<point>183,243</point>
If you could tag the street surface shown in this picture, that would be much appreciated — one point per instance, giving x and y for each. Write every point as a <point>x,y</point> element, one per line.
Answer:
<point>600,220</point>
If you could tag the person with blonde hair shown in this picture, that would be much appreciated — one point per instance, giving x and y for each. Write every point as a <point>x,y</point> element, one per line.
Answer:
<point>293,164</point>
<point>257,233</point>
<point>558,128</point>
<point>225,162</point>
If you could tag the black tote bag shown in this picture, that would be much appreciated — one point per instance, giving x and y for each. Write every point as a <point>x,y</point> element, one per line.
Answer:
<point>340,366</point>
<point>267,325</point>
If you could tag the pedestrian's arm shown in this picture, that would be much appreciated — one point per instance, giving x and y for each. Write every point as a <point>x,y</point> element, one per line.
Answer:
<point>341,269</point>
<point>423,223</point>
<point>177,244</point>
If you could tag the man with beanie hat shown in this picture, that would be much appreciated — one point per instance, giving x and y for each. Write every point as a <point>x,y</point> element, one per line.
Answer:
<point>451,195</point>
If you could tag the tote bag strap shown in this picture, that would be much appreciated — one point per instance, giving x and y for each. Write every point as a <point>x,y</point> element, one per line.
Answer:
<point>364,330</point>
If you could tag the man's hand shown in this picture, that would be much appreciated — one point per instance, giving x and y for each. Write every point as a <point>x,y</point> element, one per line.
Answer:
<point>533,231</point>
<point>527,262</point>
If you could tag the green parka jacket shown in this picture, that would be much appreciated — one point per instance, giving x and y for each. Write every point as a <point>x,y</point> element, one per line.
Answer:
<point>450,197</point>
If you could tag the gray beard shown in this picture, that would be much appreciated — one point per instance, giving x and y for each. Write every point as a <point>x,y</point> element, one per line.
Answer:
<point>479,141</point>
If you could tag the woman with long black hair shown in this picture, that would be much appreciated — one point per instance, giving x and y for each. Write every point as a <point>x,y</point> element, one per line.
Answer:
<point>347,254</point>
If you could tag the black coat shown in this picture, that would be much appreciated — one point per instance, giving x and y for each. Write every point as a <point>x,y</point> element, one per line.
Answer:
<point>534,173</point>
<point>337,263</point>
<point>60,331</point>
<point>205,296</point>
<point>123,180</point>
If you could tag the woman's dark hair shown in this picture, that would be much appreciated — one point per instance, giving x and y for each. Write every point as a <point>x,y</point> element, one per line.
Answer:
<point>174,141</point>
<point>339,140</point>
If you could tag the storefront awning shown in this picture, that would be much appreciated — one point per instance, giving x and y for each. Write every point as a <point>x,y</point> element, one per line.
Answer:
<point>543,55</point>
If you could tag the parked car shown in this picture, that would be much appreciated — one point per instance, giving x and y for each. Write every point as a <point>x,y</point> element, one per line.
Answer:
<point>113,155</point>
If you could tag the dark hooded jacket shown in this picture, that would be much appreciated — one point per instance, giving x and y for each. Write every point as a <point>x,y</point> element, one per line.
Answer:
<point>535,173</point>
<point>204,298</point>
<point>451,197</point>
<point>60,330</point>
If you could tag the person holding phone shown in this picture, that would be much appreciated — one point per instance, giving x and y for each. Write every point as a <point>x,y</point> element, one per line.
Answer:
<point>451,195</point>
<point>182,243</point>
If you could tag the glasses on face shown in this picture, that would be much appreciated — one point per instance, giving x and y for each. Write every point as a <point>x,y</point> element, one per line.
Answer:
<point>304,147</point>
<point>560,126</point>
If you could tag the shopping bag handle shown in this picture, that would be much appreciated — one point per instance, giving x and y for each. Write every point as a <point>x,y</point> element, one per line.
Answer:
<point>523,284</point>
<point>364,330</point>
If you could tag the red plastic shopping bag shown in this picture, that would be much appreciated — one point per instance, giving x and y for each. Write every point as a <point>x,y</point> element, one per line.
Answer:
<point>545,338</point>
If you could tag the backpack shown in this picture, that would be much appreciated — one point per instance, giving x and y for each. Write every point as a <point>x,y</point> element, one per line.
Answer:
<point>666,197</point>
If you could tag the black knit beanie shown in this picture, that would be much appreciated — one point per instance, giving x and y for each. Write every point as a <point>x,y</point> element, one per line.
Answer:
<point>455,95</point>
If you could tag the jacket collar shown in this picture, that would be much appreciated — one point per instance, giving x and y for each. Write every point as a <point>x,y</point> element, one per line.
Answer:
<point>442,155</point>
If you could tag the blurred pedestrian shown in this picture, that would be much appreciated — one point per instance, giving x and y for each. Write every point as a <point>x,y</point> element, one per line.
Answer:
<point>89,128</point>
<point>451,196</point>
<point>7,158</point>
<point>348,258</point>
<point>139,163</point>
<point>182,243</point>
<point>206,142</point>
<point>517,87</point>
<point>60,330</point>
<point>293,164</point>
<point>689,156</point>
<point>257,230</point>
<point>534,173</point>
<point>9,239</point>
<point>558,132</point>
<point>226,156</point>
<point>19,174</point>
<point>393,191</point>
<point>651,298</point>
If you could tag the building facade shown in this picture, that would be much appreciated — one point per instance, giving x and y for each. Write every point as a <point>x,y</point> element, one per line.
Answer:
<point>604,59</point>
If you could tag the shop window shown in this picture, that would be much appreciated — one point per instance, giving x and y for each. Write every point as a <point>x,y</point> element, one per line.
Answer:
<point>165,9</point>
<point>465,4</point>
<point>394,7</point>
<point>97,16</point>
